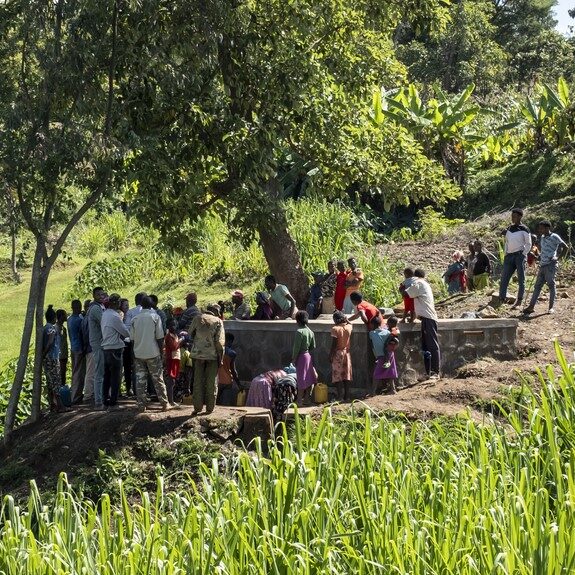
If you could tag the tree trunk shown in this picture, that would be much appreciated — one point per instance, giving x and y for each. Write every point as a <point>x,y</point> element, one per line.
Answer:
<point>13,259</point>
<point>282,256</point>
<point>37,383</point>
<point>12,408</point>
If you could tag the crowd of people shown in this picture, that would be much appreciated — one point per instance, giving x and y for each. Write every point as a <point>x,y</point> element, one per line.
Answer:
<point>521,249</point>
<point>186,353</point>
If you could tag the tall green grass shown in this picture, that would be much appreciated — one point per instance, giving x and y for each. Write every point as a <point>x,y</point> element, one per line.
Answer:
<point>351,495</point>
<point>7,372</point>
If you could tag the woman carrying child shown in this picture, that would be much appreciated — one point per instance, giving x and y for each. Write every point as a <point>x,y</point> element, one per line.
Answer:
<point>454,275</point>
<point>304,342</point>
<point>340,356</point>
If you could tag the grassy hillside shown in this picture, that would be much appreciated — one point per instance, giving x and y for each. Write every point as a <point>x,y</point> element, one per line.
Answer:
<point>524,182</point>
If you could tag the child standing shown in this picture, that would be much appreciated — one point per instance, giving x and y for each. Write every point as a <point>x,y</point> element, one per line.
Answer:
<point>390,374</point>
<point>172,343</point>
<point>380,337</point>
<point>186,367</point>
<point>408,303</point>
<point>340,356</point>
<point>228,379</point>
<point>304,342</point>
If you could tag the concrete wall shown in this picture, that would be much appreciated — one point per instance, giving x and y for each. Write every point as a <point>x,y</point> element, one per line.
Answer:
<point>264,345</point>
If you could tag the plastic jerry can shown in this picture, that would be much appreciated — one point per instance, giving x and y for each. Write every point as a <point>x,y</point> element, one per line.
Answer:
<point>320,393</point>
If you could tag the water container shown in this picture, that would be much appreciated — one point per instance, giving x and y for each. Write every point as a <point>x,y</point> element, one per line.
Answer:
<point>65,396</point>
<point>320,393</point>
<point>187,400</point>
<point>242,397</point>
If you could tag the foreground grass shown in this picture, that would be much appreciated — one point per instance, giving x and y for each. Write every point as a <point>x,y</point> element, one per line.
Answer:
<point>357,495</point>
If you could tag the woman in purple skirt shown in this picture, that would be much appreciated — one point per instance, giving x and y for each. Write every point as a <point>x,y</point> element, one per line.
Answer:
<point>385,372</point>
<point>304,342</point>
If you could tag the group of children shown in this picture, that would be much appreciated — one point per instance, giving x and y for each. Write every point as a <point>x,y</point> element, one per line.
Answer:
<point>384,341</point>
<point>467,272</point>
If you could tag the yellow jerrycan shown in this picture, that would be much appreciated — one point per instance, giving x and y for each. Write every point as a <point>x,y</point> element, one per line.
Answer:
<point>320,393</point>
<point>242,397</point>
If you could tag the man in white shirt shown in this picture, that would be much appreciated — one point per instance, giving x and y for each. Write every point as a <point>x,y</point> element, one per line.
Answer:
<point>134,311</point>
<point>114,332</point>
<point>551,247</point>
<point>424,303</point>
<point>517,246</point>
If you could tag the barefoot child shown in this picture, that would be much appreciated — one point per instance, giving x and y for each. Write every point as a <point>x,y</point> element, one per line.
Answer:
<point>390,375</point>
<point>379,337</point>
<point>340,356</point>
<point>304,342</point>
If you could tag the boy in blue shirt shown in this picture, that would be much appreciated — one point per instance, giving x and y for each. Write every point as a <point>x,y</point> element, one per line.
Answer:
<point>551,247</point>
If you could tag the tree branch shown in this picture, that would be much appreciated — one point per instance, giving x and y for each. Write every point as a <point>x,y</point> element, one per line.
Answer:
<point>88,203</point>
<point>25,210</point>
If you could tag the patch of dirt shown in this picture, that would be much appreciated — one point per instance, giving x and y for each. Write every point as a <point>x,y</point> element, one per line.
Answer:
<point>68,441</point>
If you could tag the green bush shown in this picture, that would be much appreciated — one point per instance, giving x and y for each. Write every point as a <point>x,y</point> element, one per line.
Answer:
<point>113,274</point>
<point>6,378</point>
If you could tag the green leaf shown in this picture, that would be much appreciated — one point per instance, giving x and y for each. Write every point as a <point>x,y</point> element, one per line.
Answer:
<point>563,91</point>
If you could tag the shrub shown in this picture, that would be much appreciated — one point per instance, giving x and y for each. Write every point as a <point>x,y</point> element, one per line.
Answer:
<point>113,273</point>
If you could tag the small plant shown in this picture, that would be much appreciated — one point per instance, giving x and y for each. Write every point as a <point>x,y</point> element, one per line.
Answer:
<point>434,224</point>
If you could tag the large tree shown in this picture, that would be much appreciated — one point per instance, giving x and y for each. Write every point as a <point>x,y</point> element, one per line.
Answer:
<point>196,102</point>
<point>229,89</point>
<point>537,51</point>
<point>465,52</point>
<point>60,133</point>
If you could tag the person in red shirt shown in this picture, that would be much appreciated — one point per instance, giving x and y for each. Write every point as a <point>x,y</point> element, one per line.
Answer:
<point>340,290</point>
<point>363,309</point>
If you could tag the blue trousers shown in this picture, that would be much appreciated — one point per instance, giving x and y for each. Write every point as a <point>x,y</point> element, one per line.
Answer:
<point>546,275</point>
<point>511,263</point>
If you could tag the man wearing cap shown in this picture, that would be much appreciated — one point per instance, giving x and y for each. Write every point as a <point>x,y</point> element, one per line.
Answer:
<point>114,332</point>
<point>517,246</point>
<point>241,307</point>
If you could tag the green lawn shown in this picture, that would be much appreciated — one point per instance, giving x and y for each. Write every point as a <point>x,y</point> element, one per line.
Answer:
<point>13,299</point>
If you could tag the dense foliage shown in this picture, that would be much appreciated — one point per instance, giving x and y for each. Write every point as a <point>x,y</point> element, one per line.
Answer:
<point>124,254</point>
<point>357,495</point>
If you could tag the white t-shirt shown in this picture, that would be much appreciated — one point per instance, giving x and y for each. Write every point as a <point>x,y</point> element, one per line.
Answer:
<point>423,300</point>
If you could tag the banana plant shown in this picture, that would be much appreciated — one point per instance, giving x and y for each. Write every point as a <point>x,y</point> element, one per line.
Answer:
<point>440,124</point>
<point>551,115</point>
